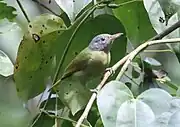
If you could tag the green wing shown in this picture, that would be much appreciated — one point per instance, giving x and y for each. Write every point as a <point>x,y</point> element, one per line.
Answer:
<point>79,63</point>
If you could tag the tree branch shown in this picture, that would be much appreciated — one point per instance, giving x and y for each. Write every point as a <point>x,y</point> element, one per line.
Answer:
<point>140,48</point>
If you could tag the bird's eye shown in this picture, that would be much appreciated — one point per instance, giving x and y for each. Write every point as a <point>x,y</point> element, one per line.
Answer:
<point>102,39</point>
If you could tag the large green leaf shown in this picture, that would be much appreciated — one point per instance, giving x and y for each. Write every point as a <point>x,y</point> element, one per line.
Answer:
<point>158,104</point>
<point>6,11</point>
<point>73,92</point>
<point>34,63</point>
<point>134,113</point>
<point>135,19</point>
<point>71,7</point>
<point>110,99</point>
<point>154,107</point>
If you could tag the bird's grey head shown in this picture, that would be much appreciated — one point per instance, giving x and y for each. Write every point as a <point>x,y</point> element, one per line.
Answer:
<point>103,42</point>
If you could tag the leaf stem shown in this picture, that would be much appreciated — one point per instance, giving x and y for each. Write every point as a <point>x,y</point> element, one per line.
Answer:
<point>23,11</point>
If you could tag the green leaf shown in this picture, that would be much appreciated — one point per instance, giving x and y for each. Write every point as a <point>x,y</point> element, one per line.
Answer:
<point>169,7</point>
<point>45,24</point>
<point>12,112</point>
<point>36,56</point>
<point>135,19</point>
<point>161,120</point>
<point>110,98</point>
<point>134,113</point>
<point>158,104</point>
<point>135,74</point>
<point>174,105</point>
<point>6,67</point>
<point>118,108</point>
<point>71,7</point>
<point>44,121</point>
<point>99,123</point>
<point>170,118</point>
<point>51,104</point>
<point>73,94</point>
<point>7,11</point>
<point>162,18</point>
<point>152,61</point>
<point>92,27</point>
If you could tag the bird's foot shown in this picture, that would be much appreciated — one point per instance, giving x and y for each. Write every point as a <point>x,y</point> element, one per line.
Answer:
<point>112,72</point>
<point>94,91</point>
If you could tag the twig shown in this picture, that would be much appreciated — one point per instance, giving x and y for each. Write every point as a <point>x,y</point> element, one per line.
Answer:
<point>59,117</point>
<point>44,6</point>
<point>139,49</point>
<point>37,118</point>
<point>23,11</point>
<point>56,113</point>
<point>158,51</point>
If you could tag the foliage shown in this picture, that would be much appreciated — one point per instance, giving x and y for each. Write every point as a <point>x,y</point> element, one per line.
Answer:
<point>6,11</point>
<point>146,95</point>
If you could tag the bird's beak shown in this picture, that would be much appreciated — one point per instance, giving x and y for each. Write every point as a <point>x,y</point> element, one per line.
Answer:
<point>114,36</point>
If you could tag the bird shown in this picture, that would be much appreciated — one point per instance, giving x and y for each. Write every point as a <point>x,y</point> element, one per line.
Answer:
<point>92,61</point>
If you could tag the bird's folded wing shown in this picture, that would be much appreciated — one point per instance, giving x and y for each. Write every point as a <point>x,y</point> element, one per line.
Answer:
<point>79,63</point>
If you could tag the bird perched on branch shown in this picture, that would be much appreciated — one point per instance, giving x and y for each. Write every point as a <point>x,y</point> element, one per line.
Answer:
<point>93,60</point>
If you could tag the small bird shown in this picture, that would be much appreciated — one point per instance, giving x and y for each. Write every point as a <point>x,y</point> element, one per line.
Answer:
<point>92,61</point>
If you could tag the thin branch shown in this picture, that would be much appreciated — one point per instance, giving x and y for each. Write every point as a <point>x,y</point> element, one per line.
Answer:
<point>56,113</point>
<point>59,117</point>
<point>23,11</point>
<point>44,6</point>
<point>131,79</point>
<point>158,51</point>
<point>140,48</point>
<point>129,2</point>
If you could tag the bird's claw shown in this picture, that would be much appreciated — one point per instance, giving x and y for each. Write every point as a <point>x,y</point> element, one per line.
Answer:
<point>94,91</point>
<point>112,72</point>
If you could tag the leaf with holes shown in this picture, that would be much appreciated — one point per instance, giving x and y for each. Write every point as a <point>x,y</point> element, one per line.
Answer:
<point>36,55</point>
